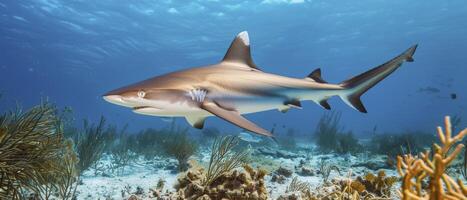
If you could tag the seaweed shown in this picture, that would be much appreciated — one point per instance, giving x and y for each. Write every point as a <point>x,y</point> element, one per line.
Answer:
<point>330,137</point>
<point>34,156</point>
<point>393,145</point>
<point>223,159</point>
<point>90,144</point>
<point>149,142</point>
<point>325,170</point>
<point>431,166</point>
<point>327,131</point>
<point>347,143</point>
<point>298,186</point>
<point>287,141</point>
<point>120,153</point>
<point>181,147</point>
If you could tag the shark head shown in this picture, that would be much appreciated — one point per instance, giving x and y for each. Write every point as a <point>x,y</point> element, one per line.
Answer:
<point>146,97</point>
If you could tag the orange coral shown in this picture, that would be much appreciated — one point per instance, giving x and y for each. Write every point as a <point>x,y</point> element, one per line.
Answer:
<point>441,186</point>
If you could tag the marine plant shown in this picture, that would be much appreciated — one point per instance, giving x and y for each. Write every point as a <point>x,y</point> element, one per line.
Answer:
<point>91,143</point>
<point>150,142</point>
<point>298,186</point>
<point>327,130</point>
<point>181,147</point>
<point>61,181</point>
<point>34,156</point>
<point>464,165</point>
<point>325,170</point>
<point>287,140</point>
<point>393,145</point>
<point>431,166</point>
<point>330,136</point>
<point>120,153</point>
<point>223,159</point>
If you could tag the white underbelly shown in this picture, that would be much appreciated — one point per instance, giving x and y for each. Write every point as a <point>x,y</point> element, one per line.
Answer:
<point>181,109</point>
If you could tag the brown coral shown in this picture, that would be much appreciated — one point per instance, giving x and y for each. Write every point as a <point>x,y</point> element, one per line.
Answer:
<point>34,157</point>
<point>246,184</point>
<point>379,185</point>
<point>415,170</point>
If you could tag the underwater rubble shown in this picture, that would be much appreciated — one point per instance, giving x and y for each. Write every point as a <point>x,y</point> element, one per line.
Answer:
<point>42,156</point>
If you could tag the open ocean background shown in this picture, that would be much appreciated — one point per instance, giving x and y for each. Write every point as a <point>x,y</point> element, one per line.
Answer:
<point>72,52</point>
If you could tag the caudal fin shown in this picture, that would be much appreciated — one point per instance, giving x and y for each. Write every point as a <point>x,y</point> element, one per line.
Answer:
<point>358,85</point>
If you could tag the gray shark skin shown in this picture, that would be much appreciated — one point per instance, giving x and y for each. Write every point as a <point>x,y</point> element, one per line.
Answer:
<point>236,86</point>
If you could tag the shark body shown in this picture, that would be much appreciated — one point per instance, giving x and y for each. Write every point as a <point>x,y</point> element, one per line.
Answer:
<point>236,86</point>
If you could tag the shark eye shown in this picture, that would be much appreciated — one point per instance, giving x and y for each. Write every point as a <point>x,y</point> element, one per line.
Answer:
<point>141,94</point>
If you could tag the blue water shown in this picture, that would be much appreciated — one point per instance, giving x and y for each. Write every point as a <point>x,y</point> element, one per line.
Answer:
<point>72,52</point>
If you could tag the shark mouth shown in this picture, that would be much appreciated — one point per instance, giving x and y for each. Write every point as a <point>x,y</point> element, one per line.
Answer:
<point>144,107</point>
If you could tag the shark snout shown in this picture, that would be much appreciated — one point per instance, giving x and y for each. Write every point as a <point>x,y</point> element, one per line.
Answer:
<point>115,99</point>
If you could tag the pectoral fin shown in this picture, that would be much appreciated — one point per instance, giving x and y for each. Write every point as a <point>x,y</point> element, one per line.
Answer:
<point>233,117</point>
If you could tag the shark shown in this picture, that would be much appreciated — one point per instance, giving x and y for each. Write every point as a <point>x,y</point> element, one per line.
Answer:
<point>237,86</point>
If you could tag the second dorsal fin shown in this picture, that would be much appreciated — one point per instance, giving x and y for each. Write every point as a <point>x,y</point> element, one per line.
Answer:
<point>316,76</point>
<point>239,51</point>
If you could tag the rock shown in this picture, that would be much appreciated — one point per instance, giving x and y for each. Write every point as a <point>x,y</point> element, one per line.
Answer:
<point>139,191</point>
<point>284,171</point>
<point>278,179</point>
<point>286,154</point>
<point>267,151</point>
<point>133,197</point>
<point>277,153</point>
<point>373,165</point>
<point>306,171</point>
<point>290,196</point>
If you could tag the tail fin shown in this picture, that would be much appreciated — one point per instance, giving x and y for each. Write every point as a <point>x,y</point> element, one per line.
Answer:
<point>358,85</point>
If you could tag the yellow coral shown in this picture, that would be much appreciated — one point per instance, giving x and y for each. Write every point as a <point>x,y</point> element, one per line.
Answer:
<point>441,186</point>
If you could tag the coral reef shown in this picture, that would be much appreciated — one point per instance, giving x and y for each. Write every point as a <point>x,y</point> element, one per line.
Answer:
<point>370,185</point>
<point>223,159</point>
<point>222,180</point>
<point>246,184</point>
<point>284,171</point>
<point>296,190</point>
<point>431,166</point>
<point>35,159</point>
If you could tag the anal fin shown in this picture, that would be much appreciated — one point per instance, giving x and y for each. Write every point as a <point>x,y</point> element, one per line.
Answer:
<point>293,103</point>
<point>324,103</point>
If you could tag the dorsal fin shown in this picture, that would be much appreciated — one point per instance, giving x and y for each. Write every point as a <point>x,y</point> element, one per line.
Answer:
<point>316,76</point>
<point>239,51</point>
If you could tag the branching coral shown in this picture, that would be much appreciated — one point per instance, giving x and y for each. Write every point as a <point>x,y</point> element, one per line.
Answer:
<point>298,186</point>
<point>235,184</point>
<point>181,148</point>
<point>415,170</point>
<point>34,157</point>
<point>377,185</point>
<point>222,180</point>
<point>90,144</point>
<point>223,158</point>
<point>325,169</point>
